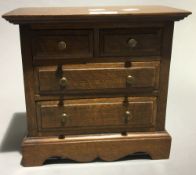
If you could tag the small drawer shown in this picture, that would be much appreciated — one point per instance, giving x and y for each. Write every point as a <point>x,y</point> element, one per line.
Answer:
<point>97,77</point>
<point>84,114</point>
<point>130,42</point>
<point>62,44</point>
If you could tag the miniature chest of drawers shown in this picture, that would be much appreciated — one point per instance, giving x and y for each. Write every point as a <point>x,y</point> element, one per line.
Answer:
<point>96,81</point>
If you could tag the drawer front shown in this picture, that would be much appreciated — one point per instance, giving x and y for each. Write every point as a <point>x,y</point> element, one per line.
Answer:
<point>63,44</point>
<point>100,76</point>
<point>97,113</point>
<point>130,42</point>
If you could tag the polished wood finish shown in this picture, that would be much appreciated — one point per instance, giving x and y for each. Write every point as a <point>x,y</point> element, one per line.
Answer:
<point>78,44</point>
<point>98,76</point>
<point>87,115</point>
<point>83,14</point>
<point>96,81</point>
<point>87,148</point>
<point>115,42</point>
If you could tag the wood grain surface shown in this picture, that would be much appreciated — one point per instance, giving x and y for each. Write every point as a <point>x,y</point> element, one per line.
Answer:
<point>115,42</point>
<point>60,14</point>
<point>98,77</point>
<point>79,44</point>
<point>87,148</point>
<point>86,114</point>
<point>96,80</point>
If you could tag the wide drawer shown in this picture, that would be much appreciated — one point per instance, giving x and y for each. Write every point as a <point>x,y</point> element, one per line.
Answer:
<point>62,44</point>
<point>130,42</point>
<point>97,76</point>
<point>99,113</point>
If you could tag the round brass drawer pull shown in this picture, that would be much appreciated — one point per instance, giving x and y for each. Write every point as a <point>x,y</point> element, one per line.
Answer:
<point>132,43</point>
<point>128,116</point>
<point>128,113</point>
<point>63,82</point>
<point>62,45</point>
<point>130,79</point>
<point>64,118</point>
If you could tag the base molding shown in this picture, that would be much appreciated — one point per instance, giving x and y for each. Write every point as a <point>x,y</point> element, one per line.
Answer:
<point>108,147</point>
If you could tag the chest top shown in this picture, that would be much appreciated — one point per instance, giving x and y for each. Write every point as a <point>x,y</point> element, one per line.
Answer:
<point>62,14</point>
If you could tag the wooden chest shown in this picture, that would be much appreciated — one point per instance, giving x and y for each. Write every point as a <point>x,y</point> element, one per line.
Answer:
<point>96,81</point>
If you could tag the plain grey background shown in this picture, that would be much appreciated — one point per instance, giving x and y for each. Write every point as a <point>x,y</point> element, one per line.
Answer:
<point>181,106</point>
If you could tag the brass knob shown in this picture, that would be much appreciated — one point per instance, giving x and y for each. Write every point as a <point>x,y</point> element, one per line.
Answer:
<point>130,79</point>
<point>64,118</point>
<point>63,82</point>
<point>132,43</point>
<point>128,116</point>
<point>62,45</point>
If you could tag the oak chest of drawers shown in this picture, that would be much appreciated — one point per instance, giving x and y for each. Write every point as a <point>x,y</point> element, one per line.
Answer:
<point>96,81</point>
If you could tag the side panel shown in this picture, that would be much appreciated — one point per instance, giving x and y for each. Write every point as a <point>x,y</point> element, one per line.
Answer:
<point>164,75</point>
<point>28,74</point>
